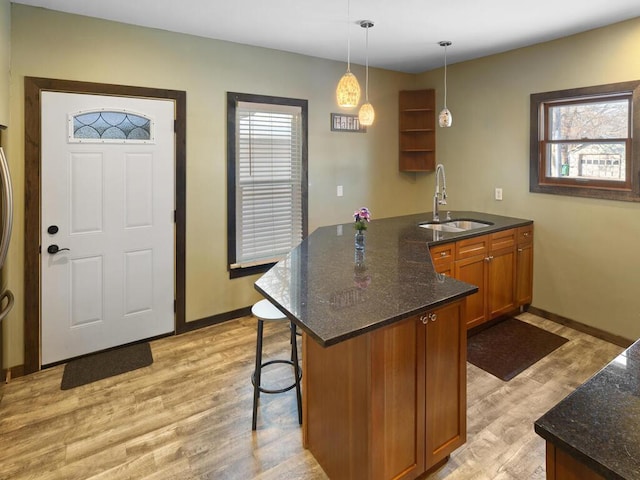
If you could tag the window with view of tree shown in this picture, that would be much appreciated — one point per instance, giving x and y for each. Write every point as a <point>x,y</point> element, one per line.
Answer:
<point>267,180</point>
<point>582,142</point>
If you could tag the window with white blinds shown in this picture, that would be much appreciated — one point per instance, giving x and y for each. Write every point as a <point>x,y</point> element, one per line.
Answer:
<point>269,186</point>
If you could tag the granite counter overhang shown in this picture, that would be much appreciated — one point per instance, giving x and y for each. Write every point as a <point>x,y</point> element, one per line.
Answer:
<point>333,295</point>
<point>599,422</point>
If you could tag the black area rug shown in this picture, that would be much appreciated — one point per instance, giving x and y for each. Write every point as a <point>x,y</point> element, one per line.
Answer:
<point>509,347</point>
<point>105,364</point>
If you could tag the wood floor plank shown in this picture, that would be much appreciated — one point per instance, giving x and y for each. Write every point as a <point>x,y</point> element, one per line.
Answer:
<point>188,415</point>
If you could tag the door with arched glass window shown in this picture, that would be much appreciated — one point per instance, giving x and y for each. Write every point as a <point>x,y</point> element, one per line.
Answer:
<point>107,222</point>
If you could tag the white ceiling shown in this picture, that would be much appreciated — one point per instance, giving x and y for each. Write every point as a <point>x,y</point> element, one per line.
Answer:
<point>405,36</point>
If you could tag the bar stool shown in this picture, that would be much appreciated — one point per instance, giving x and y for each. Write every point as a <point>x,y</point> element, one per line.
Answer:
<point>265,311</point>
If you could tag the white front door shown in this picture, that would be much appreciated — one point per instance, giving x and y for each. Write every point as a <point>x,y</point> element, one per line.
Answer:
<point>108,197</point>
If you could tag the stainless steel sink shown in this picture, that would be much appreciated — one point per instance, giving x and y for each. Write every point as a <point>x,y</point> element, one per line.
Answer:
<point>454,226</point>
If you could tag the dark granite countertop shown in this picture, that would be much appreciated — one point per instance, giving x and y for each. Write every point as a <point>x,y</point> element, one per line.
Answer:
<point>333,294</point>
<point>599,423</point>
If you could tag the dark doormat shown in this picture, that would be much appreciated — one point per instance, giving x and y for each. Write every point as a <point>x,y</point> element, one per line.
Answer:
<point>509,347</point>
<point>106,364</point>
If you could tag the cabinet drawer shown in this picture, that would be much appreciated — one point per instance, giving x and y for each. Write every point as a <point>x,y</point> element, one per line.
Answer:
<point>443,253</point>
<point>525,234</point>
<point>471,247</point>
<point>503,239</point>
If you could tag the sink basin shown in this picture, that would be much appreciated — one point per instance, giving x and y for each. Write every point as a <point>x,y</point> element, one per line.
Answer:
<point>468,224</point>
<point>454,226</point>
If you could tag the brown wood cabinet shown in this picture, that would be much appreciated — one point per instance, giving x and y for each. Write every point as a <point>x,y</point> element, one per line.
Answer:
<point>501,275</point>
<point>471,267</point>
<point>501,266</point>
<point>417,123</point>
<point>524,266</point>
<point>562,466</point>
<point>443,256</point>
<point>388,404</point>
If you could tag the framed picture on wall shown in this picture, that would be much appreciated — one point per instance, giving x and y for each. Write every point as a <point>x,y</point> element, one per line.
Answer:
<point>342,122</point>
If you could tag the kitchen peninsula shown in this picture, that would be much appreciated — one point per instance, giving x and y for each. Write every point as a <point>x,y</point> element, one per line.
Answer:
<point>384,350</point>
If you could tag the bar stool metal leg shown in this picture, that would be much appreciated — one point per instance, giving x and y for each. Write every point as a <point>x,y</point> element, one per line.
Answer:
<point>296,369</point>
<point>257,372</point>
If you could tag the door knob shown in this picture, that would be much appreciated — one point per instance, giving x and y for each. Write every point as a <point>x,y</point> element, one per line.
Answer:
<point>53,249</point>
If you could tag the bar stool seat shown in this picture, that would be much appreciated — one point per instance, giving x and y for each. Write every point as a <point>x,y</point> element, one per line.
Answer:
<point>265,311</point>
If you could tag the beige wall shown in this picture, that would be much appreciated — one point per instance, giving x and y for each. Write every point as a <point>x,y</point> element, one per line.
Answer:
<point>5,59</point>
<point>587,255</point>
<point>56,45</point>
<point>584,270</point>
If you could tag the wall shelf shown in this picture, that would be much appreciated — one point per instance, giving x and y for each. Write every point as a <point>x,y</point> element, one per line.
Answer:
<point>417,130</point>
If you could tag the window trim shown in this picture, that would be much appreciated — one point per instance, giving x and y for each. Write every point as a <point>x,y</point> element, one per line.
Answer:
<point>232,101</point>
<point>538,182</point>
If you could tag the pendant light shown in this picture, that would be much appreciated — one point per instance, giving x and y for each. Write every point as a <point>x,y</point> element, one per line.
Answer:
<point>445,119</point>
<point>348,90</point>
<point>366,115</point>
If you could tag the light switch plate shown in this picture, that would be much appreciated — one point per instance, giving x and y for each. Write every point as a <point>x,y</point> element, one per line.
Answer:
<point>498,194</point>
<point>339,190</point>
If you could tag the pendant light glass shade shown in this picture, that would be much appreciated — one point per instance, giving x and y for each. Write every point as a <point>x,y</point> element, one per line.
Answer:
<point>366,115</point>
<point>348,90</point>
<point>445,119</point>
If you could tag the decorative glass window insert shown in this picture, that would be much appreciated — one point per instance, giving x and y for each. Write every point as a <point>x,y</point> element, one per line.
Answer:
<point>584,142</point>
<point>118,126</point>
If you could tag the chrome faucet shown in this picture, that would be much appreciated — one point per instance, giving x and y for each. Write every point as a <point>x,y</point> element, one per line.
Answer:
<point>438,198</point>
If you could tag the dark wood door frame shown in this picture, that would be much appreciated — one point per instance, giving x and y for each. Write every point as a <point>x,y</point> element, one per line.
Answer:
<point>32,157</point>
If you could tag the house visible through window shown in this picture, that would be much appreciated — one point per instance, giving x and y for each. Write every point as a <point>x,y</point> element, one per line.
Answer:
<point>582,142</point>
<point>267,179</point>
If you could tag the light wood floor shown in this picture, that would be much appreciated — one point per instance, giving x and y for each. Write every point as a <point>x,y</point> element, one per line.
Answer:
<point>188,416</point>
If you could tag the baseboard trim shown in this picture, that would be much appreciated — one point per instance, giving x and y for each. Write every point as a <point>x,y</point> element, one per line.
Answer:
<point>13,372</point>
<point>581,327</point>
<point>215,319</point>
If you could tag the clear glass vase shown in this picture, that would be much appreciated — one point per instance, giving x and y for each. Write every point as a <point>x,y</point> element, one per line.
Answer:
<point>359,240</point>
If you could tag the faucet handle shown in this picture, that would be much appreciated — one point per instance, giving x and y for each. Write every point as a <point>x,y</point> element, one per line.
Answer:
<point>448,215</point>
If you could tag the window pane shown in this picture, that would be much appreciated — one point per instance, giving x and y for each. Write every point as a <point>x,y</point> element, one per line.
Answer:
<point>269,178</point>
<point>589,161</point>
<point>594,120</point>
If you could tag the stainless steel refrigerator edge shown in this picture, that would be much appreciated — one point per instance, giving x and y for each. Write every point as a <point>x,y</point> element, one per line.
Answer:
<point>6,192</point>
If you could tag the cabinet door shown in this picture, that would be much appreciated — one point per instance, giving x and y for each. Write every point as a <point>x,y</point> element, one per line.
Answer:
<point>501,282</point>
<point>562,466</point>
<point>446,380</point>
<point>524,274</point>
<point>443,257</point>
<point>397,401</point>
<point>473,270</point>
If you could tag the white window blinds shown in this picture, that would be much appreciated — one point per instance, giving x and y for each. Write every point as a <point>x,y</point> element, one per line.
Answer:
<point>268,182</point>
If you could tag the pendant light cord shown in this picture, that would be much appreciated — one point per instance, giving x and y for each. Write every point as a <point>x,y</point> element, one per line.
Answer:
<point>348,36</point>
<point>366,61</point>
<point>445,76</point>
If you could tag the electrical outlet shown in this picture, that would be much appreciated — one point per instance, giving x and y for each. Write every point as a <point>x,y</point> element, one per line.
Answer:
<point>498,194</point>
<point>339,190</point>
<point>339,230</point>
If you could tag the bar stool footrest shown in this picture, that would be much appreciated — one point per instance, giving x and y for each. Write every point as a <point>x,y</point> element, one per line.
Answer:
<point>280,390</point>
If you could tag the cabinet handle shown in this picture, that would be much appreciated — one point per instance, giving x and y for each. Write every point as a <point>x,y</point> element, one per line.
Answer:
<point>424,319</point>
<point>433,317</point>
<point>443,254</point>
<point>525,234</point>
<point>519,250</point>
<point>489,258</point>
